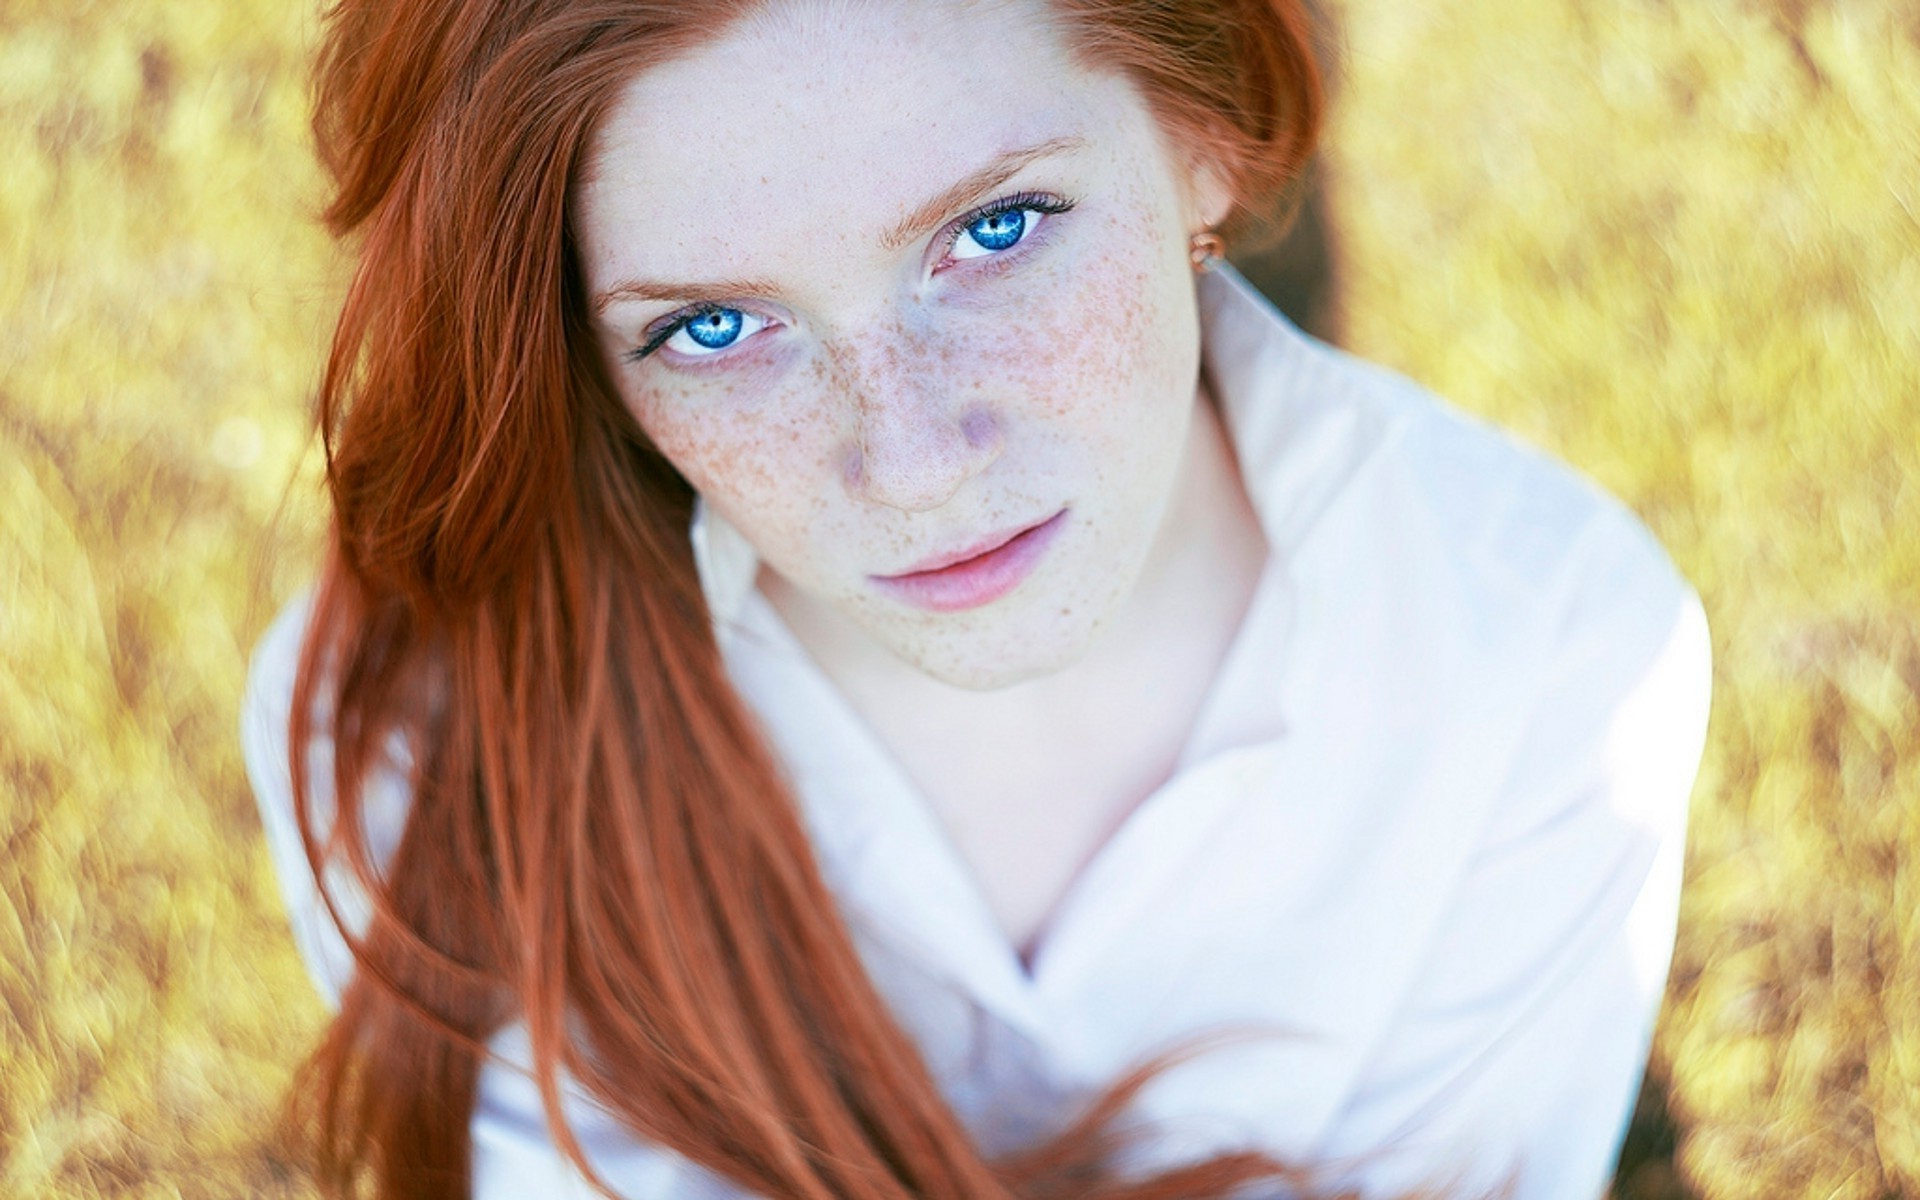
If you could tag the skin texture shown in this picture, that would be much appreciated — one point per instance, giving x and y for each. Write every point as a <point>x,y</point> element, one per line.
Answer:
<point>900,401</point>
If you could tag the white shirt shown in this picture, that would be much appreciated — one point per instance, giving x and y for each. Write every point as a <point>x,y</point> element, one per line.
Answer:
<point>1428,826</point>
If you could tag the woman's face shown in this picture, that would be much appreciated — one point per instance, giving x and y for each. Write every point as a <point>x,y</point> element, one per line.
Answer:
<point>889,283</point>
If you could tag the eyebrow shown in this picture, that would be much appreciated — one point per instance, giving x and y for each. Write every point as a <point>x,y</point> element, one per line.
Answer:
<point>996,172</point>
<point>988,177</point>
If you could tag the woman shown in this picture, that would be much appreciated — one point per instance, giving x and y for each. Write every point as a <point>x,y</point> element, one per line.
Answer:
<point>857,655</point>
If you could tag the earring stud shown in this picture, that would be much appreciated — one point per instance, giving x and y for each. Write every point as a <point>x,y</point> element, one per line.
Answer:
<point>1205,250</point>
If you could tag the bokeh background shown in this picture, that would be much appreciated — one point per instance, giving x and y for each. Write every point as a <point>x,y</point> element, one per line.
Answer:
<point>1676,242</point>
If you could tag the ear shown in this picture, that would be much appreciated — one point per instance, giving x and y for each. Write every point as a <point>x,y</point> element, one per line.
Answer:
<point>1209,192</point>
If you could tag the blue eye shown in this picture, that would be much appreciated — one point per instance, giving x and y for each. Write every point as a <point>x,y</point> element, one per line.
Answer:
<point>716,328</point>
<point>711,330</point>
<point>992,232</point>
<point>997,231</point>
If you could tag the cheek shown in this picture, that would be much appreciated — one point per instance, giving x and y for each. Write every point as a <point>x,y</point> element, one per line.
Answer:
<point>1098,342</point>
<point>758,458</point>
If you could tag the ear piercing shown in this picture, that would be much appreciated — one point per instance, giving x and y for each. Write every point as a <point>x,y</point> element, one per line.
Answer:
<point>1206,250</point>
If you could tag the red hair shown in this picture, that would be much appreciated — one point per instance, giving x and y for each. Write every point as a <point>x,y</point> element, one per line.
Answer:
<point>599,843</point>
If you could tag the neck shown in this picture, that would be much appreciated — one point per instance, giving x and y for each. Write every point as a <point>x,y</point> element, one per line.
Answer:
<point>1210,549</point>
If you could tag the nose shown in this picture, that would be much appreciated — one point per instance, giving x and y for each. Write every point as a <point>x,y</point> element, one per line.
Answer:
<point>914,445</point>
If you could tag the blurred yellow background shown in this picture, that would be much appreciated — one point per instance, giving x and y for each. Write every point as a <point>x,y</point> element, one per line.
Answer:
<point>1676,242</point>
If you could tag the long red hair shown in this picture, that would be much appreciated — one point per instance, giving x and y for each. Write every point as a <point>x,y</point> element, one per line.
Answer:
<point>599,843</point>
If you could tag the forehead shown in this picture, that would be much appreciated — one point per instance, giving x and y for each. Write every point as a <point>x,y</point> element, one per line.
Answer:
<point>812,108</point>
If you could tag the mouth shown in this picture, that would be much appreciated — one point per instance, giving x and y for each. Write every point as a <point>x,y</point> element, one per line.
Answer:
<point>977,575</point>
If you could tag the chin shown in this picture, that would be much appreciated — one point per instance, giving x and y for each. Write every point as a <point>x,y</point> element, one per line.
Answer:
<point>986,664</point>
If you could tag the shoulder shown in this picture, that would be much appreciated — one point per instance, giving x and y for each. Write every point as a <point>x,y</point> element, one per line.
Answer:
<point>1475,580</point>
<point>1351,463</point>
<point>1546,550</point>
<point>265,712</point>
<point>264,739</point>
<point>265,726</point>
<point>268,698</point>
<point>1532,548</point>
<point>265,720</point>
<point>1559,598</point>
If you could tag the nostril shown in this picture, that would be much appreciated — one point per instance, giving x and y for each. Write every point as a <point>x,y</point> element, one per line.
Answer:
<point>980,429</point>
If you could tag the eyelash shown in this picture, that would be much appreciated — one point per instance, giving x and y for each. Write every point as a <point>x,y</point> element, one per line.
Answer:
<point>1040,202</point>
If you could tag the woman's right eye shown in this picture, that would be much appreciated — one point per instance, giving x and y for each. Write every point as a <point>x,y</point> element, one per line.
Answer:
<point>704,332</point>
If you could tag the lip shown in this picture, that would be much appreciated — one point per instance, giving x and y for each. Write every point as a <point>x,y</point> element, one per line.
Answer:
<point>978,575</point>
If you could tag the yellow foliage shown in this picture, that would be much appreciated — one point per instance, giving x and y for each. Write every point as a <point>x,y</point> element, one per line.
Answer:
<point>1676,243</point>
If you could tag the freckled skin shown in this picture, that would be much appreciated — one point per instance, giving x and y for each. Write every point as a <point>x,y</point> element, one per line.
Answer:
<point>900,404</point>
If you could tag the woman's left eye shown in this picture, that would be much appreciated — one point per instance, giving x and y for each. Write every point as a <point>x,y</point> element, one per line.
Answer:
<point>1002,227</point>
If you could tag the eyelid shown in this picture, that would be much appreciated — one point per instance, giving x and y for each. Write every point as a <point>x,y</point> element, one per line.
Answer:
<point>658,333</point>
<point>1044,202</point>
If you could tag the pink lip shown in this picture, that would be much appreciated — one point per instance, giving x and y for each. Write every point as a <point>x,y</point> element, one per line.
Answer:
<point>978,575</point>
